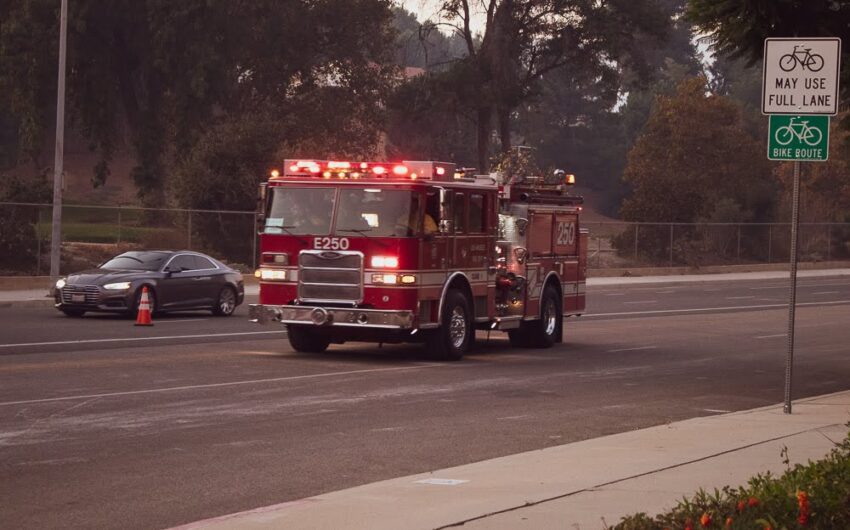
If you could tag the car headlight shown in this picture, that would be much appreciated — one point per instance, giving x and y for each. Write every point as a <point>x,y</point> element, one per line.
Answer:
<point>60,283</point>
<point>120,286</point>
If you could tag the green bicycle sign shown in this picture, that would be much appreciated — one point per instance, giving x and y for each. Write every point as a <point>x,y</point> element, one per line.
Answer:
<point>804,138</point>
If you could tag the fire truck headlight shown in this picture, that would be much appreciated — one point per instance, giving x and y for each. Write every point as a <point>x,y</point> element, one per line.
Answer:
<point>386,279</point>
<point>384,262</point>
<point>275,258</point>
<point>271,274</point>
<point>408,278</point>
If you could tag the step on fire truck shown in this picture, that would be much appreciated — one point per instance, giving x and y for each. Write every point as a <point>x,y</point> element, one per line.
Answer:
<point>417,252</point>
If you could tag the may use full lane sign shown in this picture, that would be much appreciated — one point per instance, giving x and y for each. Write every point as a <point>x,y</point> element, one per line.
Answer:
<point>801,76</point>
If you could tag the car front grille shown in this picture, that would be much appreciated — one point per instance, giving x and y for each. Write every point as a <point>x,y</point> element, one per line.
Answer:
<point>90,293</point>
<point>330,276</point>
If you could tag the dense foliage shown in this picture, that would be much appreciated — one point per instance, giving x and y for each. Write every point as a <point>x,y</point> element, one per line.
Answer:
<point>160,73</point>
<point>815,496</point>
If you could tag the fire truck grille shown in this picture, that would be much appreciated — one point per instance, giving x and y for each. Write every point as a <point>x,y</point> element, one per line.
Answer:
<point>330,276</point>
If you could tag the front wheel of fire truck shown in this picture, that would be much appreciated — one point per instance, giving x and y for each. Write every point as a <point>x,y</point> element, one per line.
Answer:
<point>305,339</point>
<point>455,335</point>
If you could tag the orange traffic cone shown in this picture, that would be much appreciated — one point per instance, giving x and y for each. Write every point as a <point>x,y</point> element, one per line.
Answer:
<point>144,316</point>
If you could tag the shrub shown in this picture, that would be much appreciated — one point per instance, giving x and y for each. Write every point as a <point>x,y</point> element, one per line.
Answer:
<point>814,496</point>
<point>18,235</point>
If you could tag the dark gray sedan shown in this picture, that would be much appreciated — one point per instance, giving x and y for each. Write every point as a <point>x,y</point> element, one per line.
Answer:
<point>176,281</point>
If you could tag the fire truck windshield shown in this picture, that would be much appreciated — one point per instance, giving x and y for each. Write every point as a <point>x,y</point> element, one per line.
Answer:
<point>377,212</point>
<point>371,212</point>
<point>300,211</point>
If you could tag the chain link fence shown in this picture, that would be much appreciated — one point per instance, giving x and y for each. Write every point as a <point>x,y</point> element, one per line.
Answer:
<point>620,244</point>
<point>92,234</point>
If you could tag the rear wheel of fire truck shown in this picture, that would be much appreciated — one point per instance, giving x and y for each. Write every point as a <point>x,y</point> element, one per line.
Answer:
<point>544,332</point>
<point>455,334</point>
<point>306,340</point>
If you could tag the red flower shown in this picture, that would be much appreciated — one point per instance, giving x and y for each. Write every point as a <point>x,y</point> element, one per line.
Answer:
<point>705,520</point>
<point>803,503</point>
<point>728,522</point>
<point>752,503</point>
<point>689,525</point>
<point>741,505</point>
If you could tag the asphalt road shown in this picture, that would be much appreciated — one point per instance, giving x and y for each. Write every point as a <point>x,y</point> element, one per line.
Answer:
<point>105,425</point>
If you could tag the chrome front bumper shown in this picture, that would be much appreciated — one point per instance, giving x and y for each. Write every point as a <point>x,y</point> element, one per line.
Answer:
<point>330,316</point>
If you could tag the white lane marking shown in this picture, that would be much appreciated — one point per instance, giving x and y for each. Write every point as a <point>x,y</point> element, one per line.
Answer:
<point>668,291</point>
<point>135,339</point>
<point>440,481</point>
<point>771,336</point>
<point>218,385</point>
<point>181,320</point>
<point>827,292</point>
<point>616,294</point>
<point>633,349</point>
<point>717,411</point>
<point>773,287</point>
<point>642,302</point>
<point>521,416</point>
<point>704,309</point>
<point>739,297</point>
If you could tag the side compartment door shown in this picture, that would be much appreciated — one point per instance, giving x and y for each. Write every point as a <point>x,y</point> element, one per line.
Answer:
<point>566,246</point>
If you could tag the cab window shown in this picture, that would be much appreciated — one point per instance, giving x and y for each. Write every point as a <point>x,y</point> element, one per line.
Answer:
<point>477,213</point>
<point>459,210</point>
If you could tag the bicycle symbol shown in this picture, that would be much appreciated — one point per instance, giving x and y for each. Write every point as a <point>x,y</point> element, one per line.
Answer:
<point>803,57</point>
<point>801,131</point>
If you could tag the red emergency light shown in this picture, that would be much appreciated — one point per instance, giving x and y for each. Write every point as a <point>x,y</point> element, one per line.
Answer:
<point>337,169</point>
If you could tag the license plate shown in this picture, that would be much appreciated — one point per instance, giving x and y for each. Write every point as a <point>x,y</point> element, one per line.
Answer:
<point>78,298</point>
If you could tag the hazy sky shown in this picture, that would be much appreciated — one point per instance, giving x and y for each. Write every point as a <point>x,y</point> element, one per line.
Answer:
<point>429,9</point>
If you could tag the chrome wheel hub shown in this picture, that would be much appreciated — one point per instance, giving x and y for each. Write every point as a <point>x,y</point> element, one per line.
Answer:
<point>227,302</point>
<point>457,327</point>
<point>550,317</point>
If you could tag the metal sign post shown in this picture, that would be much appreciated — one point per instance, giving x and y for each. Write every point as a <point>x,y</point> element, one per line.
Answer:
<point>800,82</point>
<point>792,296</point>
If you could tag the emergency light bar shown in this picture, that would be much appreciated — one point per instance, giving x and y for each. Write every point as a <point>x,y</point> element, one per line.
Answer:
<point>335,169</point>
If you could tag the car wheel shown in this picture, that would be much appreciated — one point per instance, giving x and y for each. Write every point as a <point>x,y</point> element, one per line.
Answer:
<point>76,313</point>
<point>138,300</point>
<point>226,304</point>
<point>305,339</point>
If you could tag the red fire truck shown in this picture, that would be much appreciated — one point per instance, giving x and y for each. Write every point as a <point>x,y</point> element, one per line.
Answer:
<point>417,252</point>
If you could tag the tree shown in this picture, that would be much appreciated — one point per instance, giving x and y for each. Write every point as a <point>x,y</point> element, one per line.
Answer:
<point>523,40</point>
<point>165,71</point>
<point>738,27</point>
<point>693,153</point>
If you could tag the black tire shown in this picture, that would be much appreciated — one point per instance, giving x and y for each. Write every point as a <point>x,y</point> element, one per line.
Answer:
<point>305,339</point>
<point>71,312</point>
<point>456,333</point>
<point>226,303</point>
<point>138,300</point>
<point>545,331</point>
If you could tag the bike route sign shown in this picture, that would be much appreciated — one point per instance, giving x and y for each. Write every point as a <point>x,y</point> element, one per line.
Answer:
<point>801,76</point>
<point>803,138</point>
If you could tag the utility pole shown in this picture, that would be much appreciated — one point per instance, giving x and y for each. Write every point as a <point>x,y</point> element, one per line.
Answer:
<point>58,170</point>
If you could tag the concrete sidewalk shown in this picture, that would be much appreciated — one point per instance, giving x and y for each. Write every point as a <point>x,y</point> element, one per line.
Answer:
<point>582,485</point>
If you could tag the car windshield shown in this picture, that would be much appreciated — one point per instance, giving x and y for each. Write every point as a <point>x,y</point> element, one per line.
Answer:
<point>378,212</point>
<point>144,261</point>
<point>300,211</point>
